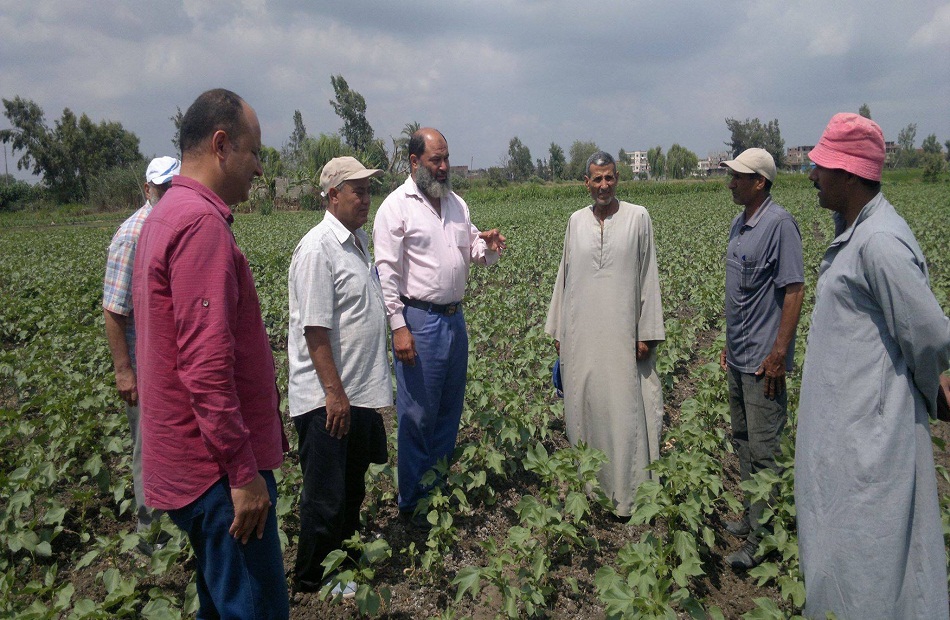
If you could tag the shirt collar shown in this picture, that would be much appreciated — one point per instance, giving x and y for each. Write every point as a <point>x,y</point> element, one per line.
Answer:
<point>341,232</point>
<point>205,193</point>
<point>867,211</point>
<point>413,190</point>
<point>758,212</point>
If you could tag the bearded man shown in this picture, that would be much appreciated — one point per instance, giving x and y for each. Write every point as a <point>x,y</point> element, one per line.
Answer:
<point>424,242</point>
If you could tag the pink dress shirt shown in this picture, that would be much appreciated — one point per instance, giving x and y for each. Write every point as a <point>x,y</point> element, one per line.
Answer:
<point>206,379</point>
<point>423,256</point>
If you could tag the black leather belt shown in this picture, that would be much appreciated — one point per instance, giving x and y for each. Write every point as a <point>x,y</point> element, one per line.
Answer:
<point>446,309</point>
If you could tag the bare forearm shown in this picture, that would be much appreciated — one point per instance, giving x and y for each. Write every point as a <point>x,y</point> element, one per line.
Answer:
<point>118,345</point>
<point>321,354</point>
<point>791,311</point>
<point>337,404</point>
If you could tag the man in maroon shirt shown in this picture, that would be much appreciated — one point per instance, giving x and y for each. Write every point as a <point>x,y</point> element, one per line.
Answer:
<point>210,422</point>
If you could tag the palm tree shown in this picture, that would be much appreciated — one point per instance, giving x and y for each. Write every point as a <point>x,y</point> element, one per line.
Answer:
<point>400,159</point>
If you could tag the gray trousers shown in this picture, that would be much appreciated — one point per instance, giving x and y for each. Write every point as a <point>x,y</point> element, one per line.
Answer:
<point>146,516</point>
<point>757,424</point>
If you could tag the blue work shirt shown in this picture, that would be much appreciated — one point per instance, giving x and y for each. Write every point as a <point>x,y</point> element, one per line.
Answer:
<point>763,257</point>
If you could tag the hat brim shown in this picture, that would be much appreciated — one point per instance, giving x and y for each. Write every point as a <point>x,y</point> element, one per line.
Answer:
<point>364,174</point>
<point>737,166</point>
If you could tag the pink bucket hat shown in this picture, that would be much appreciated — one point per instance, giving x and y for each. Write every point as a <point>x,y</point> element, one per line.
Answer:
<point>851,143</point>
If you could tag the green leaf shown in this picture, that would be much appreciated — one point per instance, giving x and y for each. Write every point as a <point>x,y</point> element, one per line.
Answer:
<point>159,609</point>
<point>576,505</point>
<point>765,609</point>
<point>64,596</point>
<point>333,561</point>
<point>367,601</point>
<point>377,550</point>
<point>87,559</point>
<point>468,580</point>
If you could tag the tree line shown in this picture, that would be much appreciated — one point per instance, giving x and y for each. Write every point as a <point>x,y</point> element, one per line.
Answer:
<point>80,160</point>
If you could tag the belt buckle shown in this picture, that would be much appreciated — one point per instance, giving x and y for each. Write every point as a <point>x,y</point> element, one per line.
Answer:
<point>451,309</point>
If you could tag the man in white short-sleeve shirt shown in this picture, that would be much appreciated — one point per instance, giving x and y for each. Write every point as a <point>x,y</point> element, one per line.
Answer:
<point>339,370</point>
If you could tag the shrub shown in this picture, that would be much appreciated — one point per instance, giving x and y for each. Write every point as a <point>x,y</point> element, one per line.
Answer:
<point>118,189</point>
<point>934,166</point>
<point>311,202</point>
<point>14,193</point>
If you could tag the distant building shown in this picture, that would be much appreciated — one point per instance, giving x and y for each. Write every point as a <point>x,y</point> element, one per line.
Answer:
<point>796,158</point>
<point>891,149</point>
<point>710,165</point>
<point>637,160</point>
<point>459,171</point>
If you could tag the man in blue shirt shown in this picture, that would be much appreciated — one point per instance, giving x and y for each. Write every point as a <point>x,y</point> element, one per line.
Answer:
<point>764,282</point>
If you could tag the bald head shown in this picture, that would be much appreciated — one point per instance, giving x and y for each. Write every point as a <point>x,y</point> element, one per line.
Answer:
<point>429,162</point>
<point>423,136</point>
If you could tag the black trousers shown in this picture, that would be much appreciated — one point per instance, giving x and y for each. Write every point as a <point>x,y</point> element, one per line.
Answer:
<point>334,486</point>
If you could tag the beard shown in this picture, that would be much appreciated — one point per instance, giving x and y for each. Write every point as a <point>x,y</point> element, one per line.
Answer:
<point>430,186</point>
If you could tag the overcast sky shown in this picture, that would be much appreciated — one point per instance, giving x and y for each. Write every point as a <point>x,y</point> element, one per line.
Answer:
<point>626,75</point>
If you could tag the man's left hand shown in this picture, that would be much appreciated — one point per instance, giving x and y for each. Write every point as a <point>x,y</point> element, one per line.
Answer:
<point>251,505</point>
<point>774,370</point>
<point>493,239</point>
<point>643,351</point>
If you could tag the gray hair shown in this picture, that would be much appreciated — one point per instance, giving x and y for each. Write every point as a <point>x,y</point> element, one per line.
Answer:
<point>600,158</point>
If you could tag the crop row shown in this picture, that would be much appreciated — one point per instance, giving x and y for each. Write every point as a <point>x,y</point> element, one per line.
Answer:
<point>66,538</point>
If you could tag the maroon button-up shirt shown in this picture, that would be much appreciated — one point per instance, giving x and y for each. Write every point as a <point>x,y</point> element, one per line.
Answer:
<point>207,391</point>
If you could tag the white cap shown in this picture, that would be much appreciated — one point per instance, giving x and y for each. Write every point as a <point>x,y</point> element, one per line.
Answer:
<point>345,168</point>
<point>161,170</point>
<point>753,161</point>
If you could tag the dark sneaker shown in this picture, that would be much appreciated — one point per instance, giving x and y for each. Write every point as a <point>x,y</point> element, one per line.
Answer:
<point>417,522</point>
<point>739,529</point>
<point>745,558</point>
<point>145,548</point>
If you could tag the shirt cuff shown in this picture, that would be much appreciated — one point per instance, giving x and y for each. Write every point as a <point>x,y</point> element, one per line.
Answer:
<point>397,321</point>
<point>242,468</point>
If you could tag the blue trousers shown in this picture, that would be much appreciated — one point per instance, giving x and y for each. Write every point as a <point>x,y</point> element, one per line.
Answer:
<point>429,398</point>
<point>235,581</point>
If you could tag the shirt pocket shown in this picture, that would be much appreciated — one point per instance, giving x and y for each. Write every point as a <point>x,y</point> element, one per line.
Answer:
<point>462,240</point>
<point>752,274</point>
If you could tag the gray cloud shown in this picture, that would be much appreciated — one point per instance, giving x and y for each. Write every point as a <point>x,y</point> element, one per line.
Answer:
<point>624,74</point>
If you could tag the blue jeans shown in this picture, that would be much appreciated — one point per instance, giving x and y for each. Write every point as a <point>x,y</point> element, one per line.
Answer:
<point>234,580</point>
<point>429,398</point>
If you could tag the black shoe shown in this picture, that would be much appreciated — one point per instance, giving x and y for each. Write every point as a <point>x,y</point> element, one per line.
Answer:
<point>417,522</point>
<point>145,548</point>
<point>746,557</point>
<point>739,529</point>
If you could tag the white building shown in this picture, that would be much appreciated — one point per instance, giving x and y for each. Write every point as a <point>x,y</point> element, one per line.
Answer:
<point>637,160</point>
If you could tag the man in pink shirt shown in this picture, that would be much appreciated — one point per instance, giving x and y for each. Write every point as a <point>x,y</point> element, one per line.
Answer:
<point>424,241</point>
<point>210,423</point>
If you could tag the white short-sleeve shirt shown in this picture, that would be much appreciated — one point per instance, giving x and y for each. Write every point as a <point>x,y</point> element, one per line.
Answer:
<point>332,283</point>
